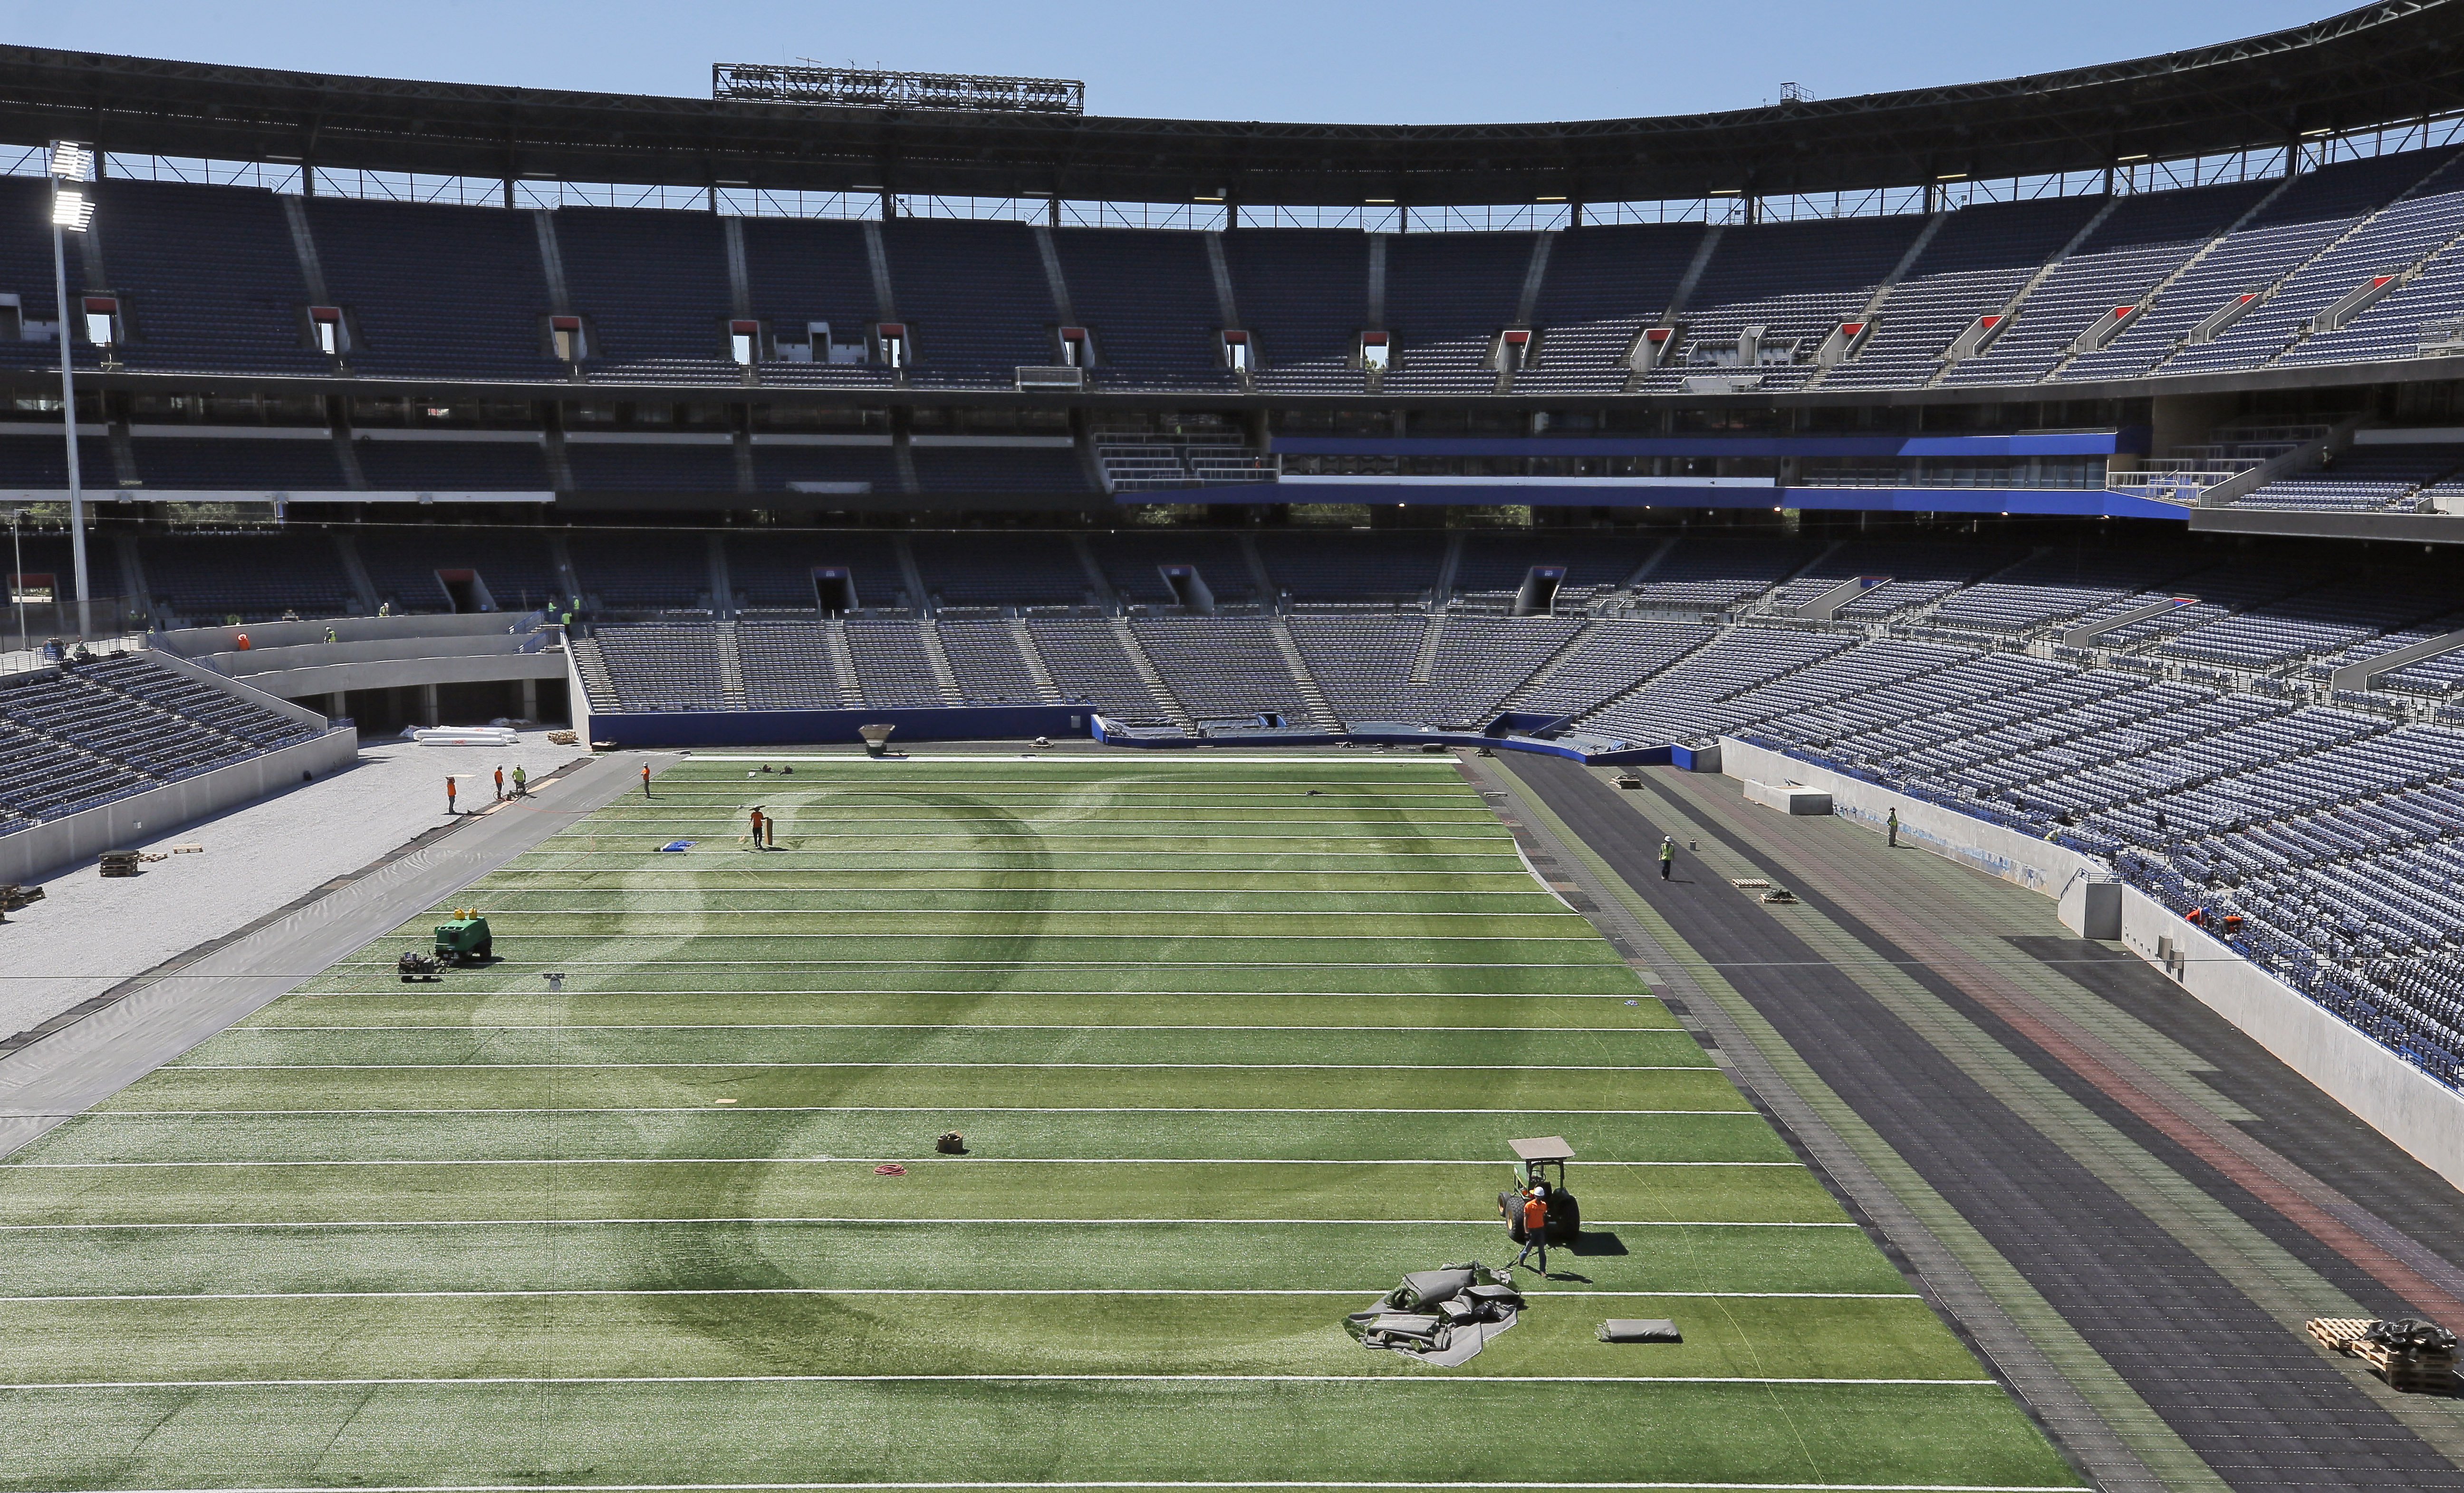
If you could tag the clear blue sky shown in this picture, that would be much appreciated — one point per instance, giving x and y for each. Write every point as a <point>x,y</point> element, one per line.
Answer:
<point>1417,61</point>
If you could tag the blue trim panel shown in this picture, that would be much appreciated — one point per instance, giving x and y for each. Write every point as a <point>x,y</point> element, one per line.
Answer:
<point>810,728</point>
<point>2131,439</point>
<point>1609,493</point>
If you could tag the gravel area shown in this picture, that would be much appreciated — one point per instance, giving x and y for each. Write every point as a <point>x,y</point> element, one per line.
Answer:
<point>89,934</point>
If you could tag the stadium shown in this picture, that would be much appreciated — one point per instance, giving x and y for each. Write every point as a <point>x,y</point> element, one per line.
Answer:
<point>871,783</point>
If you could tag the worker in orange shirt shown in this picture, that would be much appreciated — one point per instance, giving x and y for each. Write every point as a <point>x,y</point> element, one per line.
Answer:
<point>1535,1227</point>
<point>449,797</point>
<point>501,785</point>
<point>646,780</point>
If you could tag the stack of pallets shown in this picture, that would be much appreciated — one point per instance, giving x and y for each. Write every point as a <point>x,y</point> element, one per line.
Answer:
<point>2414,1371</point>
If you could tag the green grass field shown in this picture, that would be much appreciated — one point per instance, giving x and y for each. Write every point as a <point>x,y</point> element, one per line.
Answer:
<point>1234,1042</point>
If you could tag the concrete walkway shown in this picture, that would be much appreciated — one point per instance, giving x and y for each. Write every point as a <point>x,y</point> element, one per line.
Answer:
<point>88,934</point>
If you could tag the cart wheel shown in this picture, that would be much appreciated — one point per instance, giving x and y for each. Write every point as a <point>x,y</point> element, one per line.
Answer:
<point>1509,1206</point>
<point>486,951</point>
<point>1565,1218</point>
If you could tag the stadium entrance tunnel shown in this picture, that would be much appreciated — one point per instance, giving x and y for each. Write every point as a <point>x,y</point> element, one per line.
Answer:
<point>834,590</point>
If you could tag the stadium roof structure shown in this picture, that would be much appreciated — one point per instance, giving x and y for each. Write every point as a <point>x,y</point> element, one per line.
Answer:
<point>2382,64</point>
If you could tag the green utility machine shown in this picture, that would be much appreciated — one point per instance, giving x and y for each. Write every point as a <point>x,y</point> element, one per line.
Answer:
<point>463,940</point>
<point>1542,1163</point>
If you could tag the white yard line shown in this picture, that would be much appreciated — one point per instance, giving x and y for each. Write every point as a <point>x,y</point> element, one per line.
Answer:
<point>511,912</point>
<point>861,1161</point>
<point>1227,1487</point>
<point>1115,995</point>
<point>802,1108</point>
<point>1585,938</point>
<point>980,1378</point>
<point>799,991</point>
<point>1706,1066</point>
<point>474,1028</point>
<point>874,874</point>
<point>1239,1487</point>
<point>1519,892</point>
<point>1597,964</point>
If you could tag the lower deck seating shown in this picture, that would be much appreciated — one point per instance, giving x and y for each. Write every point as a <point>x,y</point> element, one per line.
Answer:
<point>83,734</point>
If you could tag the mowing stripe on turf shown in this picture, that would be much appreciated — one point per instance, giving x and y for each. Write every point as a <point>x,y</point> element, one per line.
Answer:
<point>1041,911</point>
<point>916,1026</point>
<point>1488,1222</point>
<point>865,1109</point>
<point>1229,1487</point>
<point>1004,964</point>
<point>982,1378</point>
<point>1629,996</point>
<point>1347,1067</point>
<point>702,937</point>
<point>937,1160</point>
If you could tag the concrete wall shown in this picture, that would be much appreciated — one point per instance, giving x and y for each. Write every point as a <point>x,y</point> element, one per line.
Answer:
<point>1788,797</point>
<point>337,677</point>
<point>2390,1095</point>
<point>2091,907</point>
<point>2010,854</point>
<point>193,642</point>
<point>294,660</point>
<point>29,855</point>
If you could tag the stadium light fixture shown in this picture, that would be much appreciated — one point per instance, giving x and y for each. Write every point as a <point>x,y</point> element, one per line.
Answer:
<point>71,209</point>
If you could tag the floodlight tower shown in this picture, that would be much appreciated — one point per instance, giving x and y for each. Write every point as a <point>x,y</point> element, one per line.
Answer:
<point>72,210</point>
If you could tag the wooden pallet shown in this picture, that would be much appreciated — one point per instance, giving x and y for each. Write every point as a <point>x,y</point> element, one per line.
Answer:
<point>2408,1373</point>
<point>2339,1335</point>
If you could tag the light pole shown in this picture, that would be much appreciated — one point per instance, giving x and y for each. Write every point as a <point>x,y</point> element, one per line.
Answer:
<point>17,574</point>
<point>72,210</point>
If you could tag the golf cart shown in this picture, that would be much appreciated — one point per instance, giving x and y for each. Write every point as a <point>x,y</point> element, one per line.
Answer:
<point>1533,1163</point>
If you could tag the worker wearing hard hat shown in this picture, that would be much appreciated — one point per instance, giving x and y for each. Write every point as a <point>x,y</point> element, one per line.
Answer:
<point>1535,1226</point>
